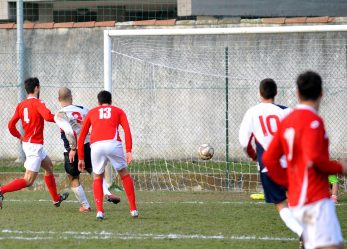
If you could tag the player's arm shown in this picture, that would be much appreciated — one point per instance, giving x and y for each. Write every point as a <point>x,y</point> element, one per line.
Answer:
<point>272,157</point>
<point>82,137</point>
<point>128,138</point>
<point>246,135</point>
<point>314,149</point>
<point>62,121</point>
<point>45,112</point>
<point>12,124</point>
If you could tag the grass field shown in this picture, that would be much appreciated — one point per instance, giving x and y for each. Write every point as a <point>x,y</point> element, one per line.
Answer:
<point>167,220</point>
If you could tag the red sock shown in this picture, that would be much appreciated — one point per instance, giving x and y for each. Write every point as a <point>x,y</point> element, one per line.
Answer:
<point>52,187</point>
<point>98,194</point>
<point>128,185</point>
<point>15,185</point>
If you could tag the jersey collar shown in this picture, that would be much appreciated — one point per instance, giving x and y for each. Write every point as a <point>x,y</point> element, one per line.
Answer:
<point>306,107</point>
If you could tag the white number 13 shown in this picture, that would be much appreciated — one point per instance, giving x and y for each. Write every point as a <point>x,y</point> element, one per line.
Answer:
<point>105,113</point>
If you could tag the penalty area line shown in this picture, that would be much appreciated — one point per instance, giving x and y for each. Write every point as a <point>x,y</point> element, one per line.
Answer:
<point>54,235</point>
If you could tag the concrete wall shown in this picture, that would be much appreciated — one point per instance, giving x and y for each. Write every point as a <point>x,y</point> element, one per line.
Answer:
<point>173,88</point>
<point>262,8</point>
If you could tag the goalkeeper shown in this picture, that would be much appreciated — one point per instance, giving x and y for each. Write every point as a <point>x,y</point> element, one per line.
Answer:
<point>69,119</point>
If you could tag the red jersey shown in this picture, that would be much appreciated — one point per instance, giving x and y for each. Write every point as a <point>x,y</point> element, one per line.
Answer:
<point>32,112</point>
<point>302,138</point>
<point>104,121</point>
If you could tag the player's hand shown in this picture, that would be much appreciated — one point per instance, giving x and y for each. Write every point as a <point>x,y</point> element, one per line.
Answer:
<point>128,157</point>
<point>72,154</point>
<point>81,165</point>
<point>344,165</point>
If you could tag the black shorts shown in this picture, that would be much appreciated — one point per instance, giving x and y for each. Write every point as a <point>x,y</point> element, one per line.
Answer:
<point>72,168</point>
<point>274,193</point>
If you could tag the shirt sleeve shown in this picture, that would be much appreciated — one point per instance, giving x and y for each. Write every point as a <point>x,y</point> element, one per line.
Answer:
<point>315,149</point>
<point>84,131</point>
<point>127,133</point>
<point>245,132</point>
<point>271,159</point>
<point>45,112</point>
<point>62,121</point>
<point>12,124</point>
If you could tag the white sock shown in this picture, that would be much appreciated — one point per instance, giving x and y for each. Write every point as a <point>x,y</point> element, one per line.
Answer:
<point>81,196</point>
<point>105,187</point>
<point>290,221</point>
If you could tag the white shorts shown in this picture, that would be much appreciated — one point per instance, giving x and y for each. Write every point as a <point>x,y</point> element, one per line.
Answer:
<point>107,151</point>
<point>34,153</point>
<point>321,226</point>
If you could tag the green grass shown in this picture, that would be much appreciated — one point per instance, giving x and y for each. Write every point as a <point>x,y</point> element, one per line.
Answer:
<point>157,166</point>
<point>231,216</point>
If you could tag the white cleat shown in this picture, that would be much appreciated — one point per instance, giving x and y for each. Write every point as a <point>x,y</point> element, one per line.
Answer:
<point>134,214</point>
<point>100,216</point>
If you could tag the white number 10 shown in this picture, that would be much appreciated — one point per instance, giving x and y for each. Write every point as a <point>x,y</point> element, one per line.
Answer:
<point>289,136</point>
<point>105,113</point>
<point>26,115</point>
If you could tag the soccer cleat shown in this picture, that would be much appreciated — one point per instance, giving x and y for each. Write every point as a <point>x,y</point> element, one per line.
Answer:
<point>301,243</point>
<point>334,198</point>
<point>85,210</point>
<point>63,197</point>
<point>1,199</point>
<point>134,214</point>
<point>100,216</point>
<point>112,198</point>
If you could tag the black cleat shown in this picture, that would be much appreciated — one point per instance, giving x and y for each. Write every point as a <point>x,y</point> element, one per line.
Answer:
<point>63,197</point>
<point>1,199</point>
<point>112,198</point>
<point>301,243</point>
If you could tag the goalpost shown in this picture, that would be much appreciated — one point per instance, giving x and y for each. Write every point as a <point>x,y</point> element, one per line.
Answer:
<point>185,87</point>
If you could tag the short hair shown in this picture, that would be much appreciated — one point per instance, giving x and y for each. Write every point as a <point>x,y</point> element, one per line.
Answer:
<point>268,88</point>
<point>64,94</point>
<point>309,85</point>
<point>104,97</point>
<point>30,84</point>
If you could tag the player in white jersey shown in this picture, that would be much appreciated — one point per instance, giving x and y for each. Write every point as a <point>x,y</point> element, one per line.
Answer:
<point>69,119</point>
<point>261,122</point>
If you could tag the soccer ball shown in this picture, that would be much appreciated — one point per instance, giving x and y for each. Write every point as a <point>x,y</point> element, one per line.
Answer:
<point>205,151</point>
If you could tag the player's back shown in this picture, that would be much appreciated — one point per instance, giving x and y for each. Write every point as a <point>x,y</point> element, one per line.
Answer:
<point>75,115</point>
<point>105,120</point>
<point>304,139</point>
<point>31,112</point>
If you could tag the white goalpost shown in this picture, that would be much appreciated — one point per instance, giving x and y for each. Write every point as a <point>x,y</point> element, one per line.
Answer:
<point>185,87</point>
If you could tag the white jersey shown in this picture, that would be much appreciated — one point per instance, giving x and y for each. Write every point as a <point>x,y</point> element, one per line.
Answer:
<point>261,121</point>
<point>69,119</point>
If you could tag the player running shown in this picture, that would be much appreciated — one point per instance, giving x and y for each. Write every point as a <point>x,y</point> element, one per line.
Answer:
<point>106,145</point>
<point>261,122</point>
<point>32,112</point>
<point>69,119</point>
<point>302,138</point>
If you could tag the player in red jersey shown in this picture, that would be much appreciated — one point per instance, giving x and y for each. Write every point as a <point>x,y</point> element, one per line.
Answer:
<point>106,145</point>
<point>32,112</point>
<point>302,138</point>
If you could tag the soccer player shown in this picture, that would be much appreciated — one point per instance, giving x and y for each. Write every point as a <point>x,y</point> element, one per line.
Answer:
<point>69,119</point>
<point>261,122</point>
<point>302,138</point>
<point>334,183</point>
<point>106,145</point>
<point>32,112</point>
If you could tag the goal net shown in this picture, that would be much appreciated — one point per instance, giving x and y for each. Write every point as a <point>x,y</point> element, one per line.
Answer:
<point>184,88</point>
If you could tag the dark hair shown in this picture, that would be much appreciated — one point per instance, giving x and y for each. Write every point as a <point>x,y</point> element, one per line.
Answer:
<point>268,88</point>
<point>104,97</point>
<point>309,85</point>
<point>30,84</point>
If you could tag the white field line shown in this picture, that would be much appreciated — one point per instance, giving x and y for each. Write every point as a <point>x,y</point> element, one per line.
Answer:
<point>53,235</point>
<point>168,202</point>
